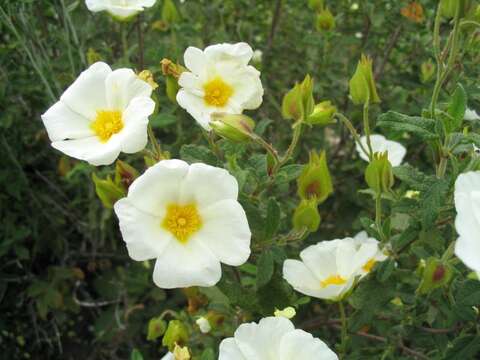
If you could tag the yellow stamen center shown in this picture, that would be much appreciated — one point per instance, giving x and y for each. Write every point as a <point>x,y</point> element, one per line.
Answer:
<point>333,280</point>
<point>217,92</point>
<point>107,123</point>
<point>369,265</point>
<point>182,221</point>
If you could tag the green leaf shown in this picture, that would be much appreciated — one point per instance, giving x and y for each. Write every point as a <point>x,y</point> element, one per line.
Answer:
<point>162,120</point>
<point>422,127</point>
<point>208,354</point>
<point>288,173</point>
<point>264,268</point>
<point>198,153</point>
<point>136,355</point>
<point>456,109</point>
<point>273,219</point>
<point>413,177</point>
<point>464,348</point>
<point>432,200</point>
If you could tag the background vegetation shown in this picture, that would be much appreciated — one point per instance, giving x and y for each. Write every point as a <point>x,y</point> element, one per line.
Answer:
<point>67,286</point>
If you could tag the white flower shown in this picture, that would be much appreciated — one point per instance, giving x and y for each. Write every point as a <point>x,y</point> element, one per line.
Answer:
<point>219,80</point>
<point>121,9</point>
<point>471,115</point>
<point>467,223</point>
<point>396,151</point>
<point>101,114</point>
<point>204,325</point>
<point>273,338</point>
<point>188,218</point>
<point>328,269</point>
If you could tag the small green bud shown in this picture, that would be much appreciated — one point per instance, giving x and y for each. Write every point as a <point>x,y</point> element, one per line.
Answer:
<point>177,333</point>
<point>316,5</point>
<point>237,128</point>
<point>315,182</point>
<point>427,71</point>
<point>107,191</point>
<point>436,274</point>
<point>323,114</point>
<point>325,20</point>
<point>306,215</point>
<point>298,103</point>
<point>156,328</point>
<point>125,174</point>
<point>362,84</point>
<point>170,13</point>
<point>379,175</point>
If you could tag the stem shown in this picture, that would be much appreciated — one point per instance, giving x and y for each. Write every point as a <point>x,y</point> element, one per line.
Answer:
<point>343,346</point>
<point>268,147</point>
<point>366,126</point>
<point>288,154</point>
<point>378,216</point>
<point>155,145</point>
<point>351,128</point>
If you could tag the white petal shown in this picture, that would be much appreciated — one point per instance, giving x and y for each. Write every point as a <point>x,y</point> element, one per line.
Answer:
<point>206,185</point>
<point>135,117</point>
<point>158,186</point>
<point>225,232</point>
<point>185,265</point>
<point>62,123</point>
<point>468,250</point>
<point>192,83</point>
<point>195,60</point>
<point>230,351</point>
<point>241,52</point>
<point>300,277</point>
<point>122,86</point>
<point>168,356</point>
<point>90,149</point>
<point>142,232</point>
<point>471,115</point>
<point>196,107</point>
<point>396,152</point>
<point>466,185</point>
<point>299,344</point>
<point>248,87</point>
<point>87,94</point>
<point>320,259</point>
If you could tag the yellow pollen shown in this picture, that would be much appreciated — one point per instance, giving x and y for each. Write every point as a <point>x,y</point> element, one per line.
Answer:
<point>369,265</point>
<point>107,123</point>
<point>333,280</point>
<point>182,221</point>
<point>217,92</point>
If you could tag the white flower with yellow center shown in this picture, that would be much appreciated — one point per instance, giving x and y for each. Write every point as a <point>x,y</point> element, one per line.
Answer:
<point>219,80</point>
<point>273,338</point>
<point>121,9</point>
<point>188,218</point>
<point>396,151</point>
<point>467,222</point>
<point>328,270</point>
<point>362,238</point>
<point>101,114</point>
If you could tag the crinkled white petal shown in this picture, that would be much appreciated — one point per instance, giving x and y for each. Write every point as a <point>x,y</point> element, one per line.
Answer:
<point>122,86</point>
<point>158,186</point>
<point>299,344</point>
<point>195,61</point>
<point>142,232</point>
<point>63,123</point>
<point>301,278</point>
<point>206,185</point>
<point>241,52</point>
<point>320,259</point>
<point>396,151</point>
<point>225,232</point>
<point>135,120</point>
<point>87,94</point>
<point>184,265</point>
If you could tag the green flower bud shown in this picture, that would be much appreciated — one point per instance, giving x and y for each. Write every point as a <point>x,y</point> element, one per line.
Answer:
<point>315,182</point>
<point>379,175</point>
<point>436,274</point>
<point>325,20</point>
<point>107,191</point>
<point>427,71</point>
<point>177,333</point>
<point>170,13</point>
<point>156,328</point>
<point>362,84</point>
<point>306,215</point>
<point>322,114</point>
<point>307,95</point>
<point>238,128</point>
<point>316,5</point>
<point>298,103</point>
<point>125,174</point>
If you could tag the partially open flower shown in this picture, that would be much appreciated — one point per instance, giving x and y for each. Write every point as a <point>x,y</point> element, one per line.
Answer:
<point>219,80</point>
<point>101,114</point>
<point>273,338</point>
<point>467,222</point>
<point>396,151</point>
<point>328,270</point>
<point>121,9</point>
<point>188,218</point>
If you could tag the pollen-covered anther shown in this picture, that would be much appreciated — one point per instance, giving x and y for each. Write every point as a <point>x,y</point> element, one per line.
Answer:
<point>217,92</point>
<point>107,123</point>
<point>182,221</point>
<point>333,280</point>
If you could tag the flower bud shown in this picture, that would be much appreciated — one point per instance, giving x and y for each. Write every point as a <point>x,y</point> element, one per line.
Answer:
<point>323,114</point>
<point>125,174</point>
<point>170,68</point>
<point>147,76</point>
<point>181,353</point>
<point>362,84</point>
<point>306,215</point>
<point>427,71</point>
<point>379,175</point>
<point>204,325</point>
<point>316,5</point>
<point>171,88</point>
<point>325,20</point>
<point>315,182</point>
<point>177,333</point>
<point>298,103</point>
<point>107,191</point>
<point>436,274</point>
<point>170,13</point>
<point>237,128</point>
<point>156,328</point>
<point>288,312</point>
